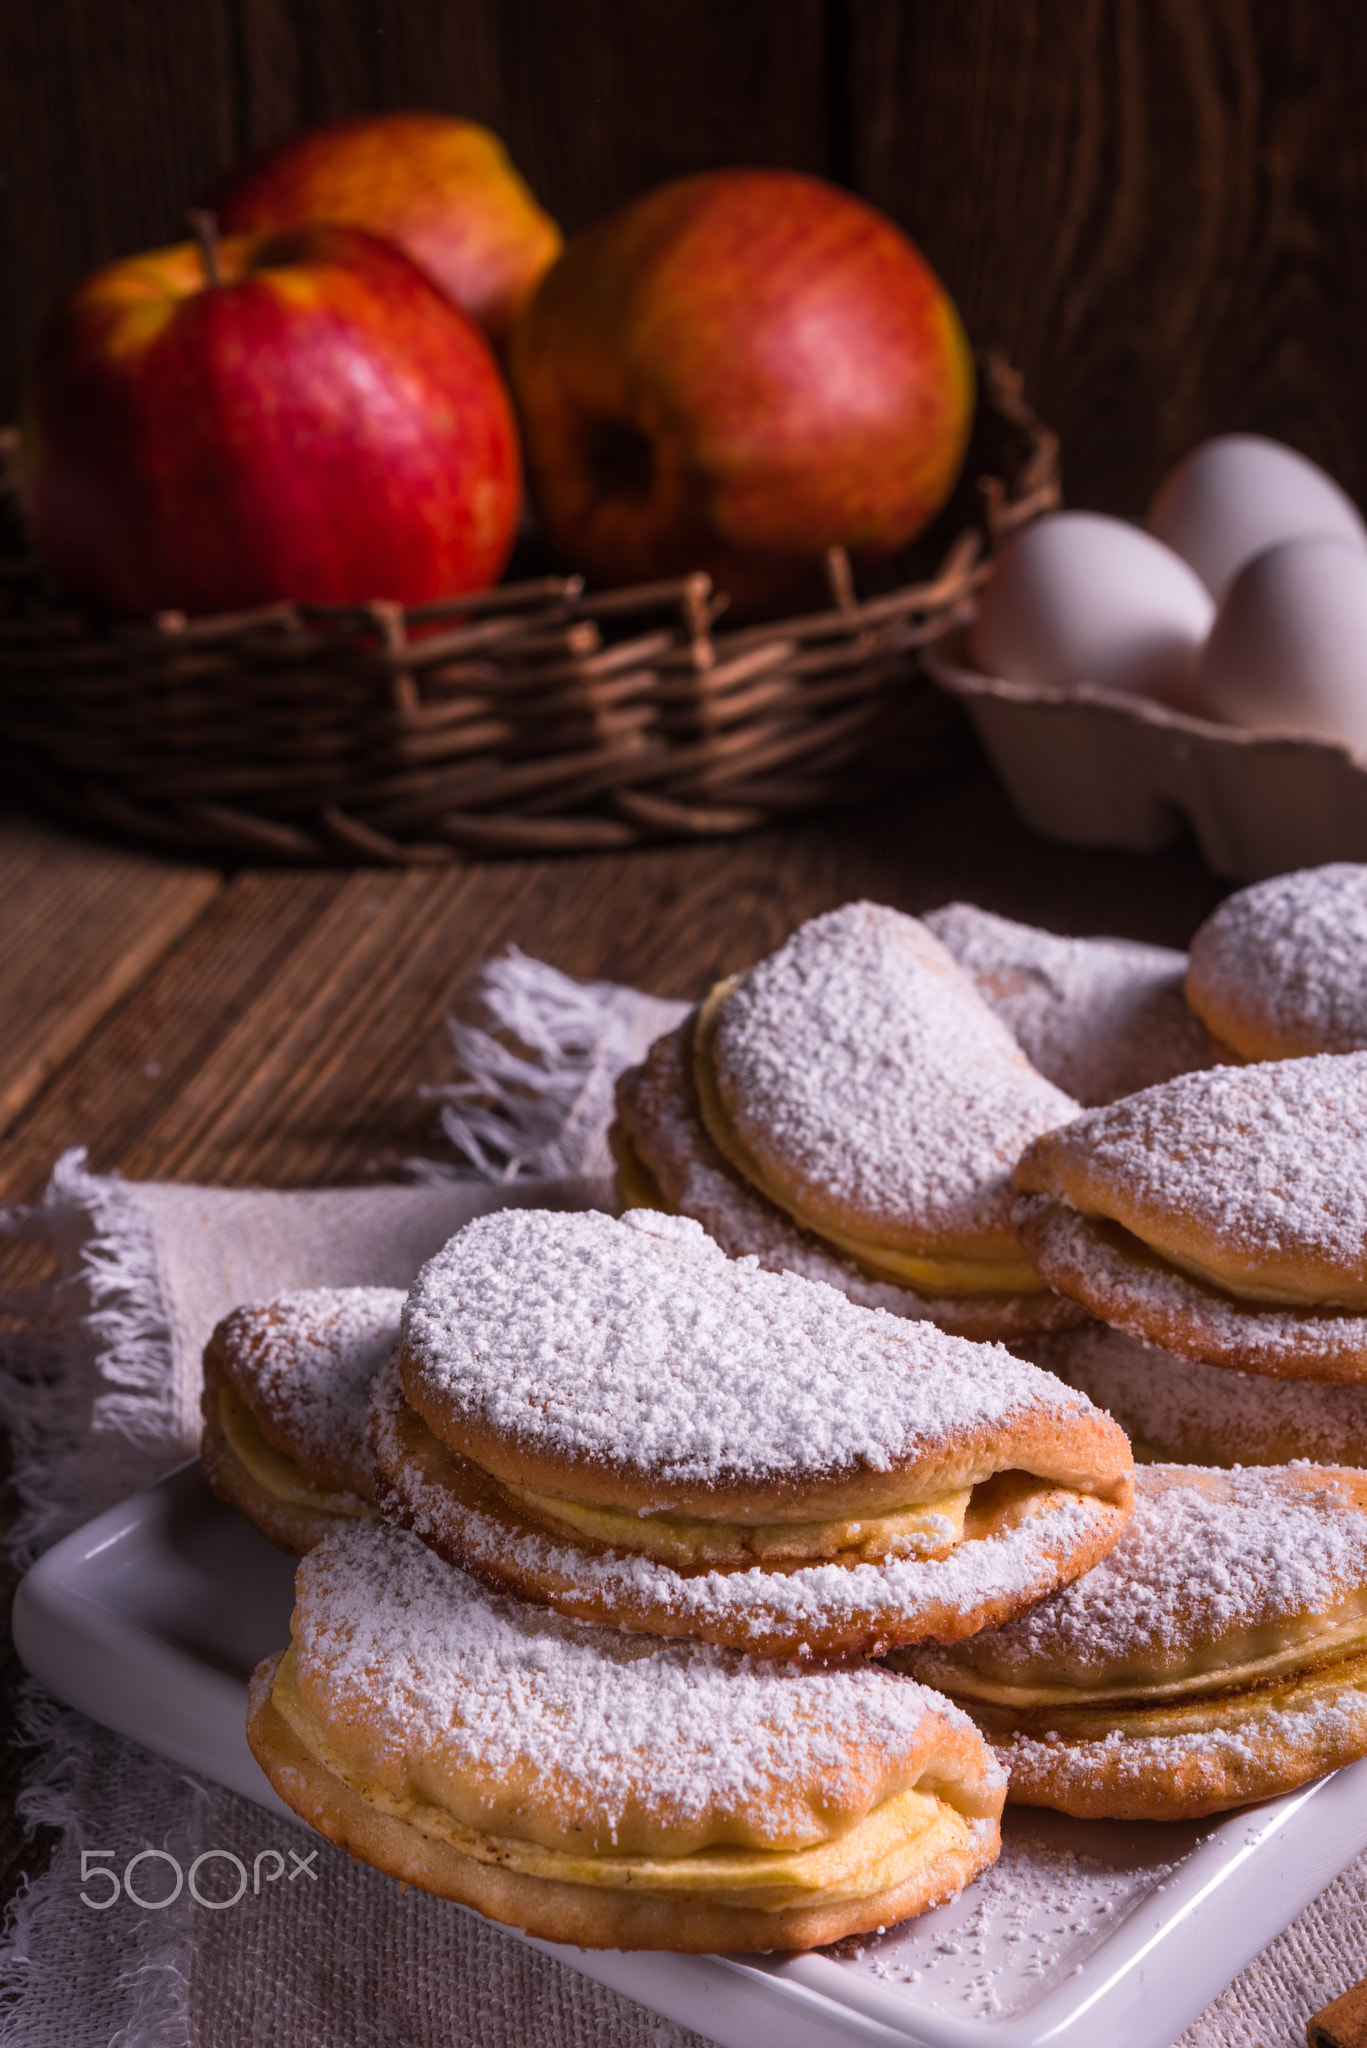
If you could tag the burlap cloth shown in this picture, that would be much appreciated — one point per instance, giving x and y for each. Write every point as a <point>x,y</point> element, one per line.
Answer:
<point>102,1394</point>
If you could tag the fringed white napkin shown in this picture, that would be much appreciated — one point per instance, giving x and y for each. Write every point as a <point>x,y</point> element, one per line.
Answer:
<point>101,1394</point>
<point>543,1112</point>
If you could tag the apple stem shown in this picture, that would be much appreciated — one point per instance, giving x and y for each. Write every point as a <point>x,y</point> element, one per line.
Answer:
<point>204,227</point>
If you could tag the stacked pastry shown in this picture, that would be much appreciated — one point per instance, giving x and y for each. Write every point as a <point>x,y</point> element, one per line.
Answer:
<point>648,1493</point>
<point>851,1110</point>
<point>1215,1224</point>
<point>654,1494</point>
<point>618,1420</point>
<point>1217,1655</point>
<point>286,1397</point>
<point>602,1789</point>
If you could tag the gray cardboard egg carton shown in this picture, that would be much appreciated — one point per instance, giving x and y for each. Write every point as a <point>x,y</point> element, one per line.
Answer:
<point>1092,768</point>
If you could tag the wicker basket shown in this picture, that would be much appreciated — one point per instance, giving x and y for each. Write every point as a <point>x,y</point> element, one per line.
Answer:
<point>531,717</point>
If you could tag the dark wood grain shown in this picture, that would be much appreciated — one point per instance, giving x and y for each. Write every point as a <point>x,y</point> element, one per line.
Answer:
<point>1156,207</point>
<point>115,115</point>
<point>285,1039</point>
<point>80,925</point>
<point>112,117</point>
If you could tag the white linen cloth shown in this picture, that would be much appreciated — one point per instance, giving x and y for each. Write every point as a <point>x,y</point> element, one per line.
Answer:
<point>101,1393</point>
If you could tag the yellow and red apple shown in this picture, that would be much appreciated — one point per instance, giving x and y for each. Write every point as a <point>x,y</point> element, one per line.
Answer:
<point>445,190</point>
<point>735,373</point>
<point>301,415</point>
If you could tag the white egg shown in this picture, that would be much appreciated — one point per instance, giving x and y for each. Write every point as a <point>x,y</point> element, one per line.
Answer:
<point>1288,651</point>
<point>1080,598</point>
<point>1240,494</point>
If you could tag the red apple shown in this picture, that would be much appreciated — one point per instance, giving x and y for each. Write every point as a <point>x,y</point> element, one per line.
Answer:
<point>444,190</point>
<point>735,373</point>
<point>319,423</point>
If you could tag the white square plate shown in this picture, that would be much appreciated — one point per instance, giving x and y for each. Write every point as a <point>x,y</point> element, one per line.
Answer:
<point>151,1617</point>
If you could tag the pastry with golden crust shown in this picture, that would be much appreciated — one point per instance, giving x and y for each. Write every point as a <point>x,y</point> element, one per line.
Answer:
<point>1217,1655</point>
<point>1100,1018</point>
<point>851,1108</point>
<point>1279,971</point>
<point>666,1161</point>
<point>602,1789</point>
<point>1222,1215</point>
<point>286,1393</point>
<point>1177,1411</point>
<point>614,1418</point>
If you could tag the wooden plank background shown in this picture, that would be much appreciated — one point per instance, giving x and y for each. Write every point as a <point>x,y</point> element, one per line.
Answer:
<point>1157,206</point>
<point>279,1028</point>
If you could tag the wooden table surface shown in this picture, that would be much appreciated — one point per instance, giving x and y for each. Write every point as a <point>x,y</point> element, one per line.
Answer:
<point>277,1027</point>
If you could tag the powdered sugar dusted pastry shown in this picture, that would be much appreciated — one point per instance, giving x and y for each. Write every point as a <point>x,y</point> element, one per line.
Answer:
<point>286,1388</point>
<point>1280,969</point>
<point>1218,1655</point>
<point>1222,1215</point>
<point>1100,1018</point>
<point>857,1084</point>
<point>604,1790</point>
<point>1177,1410</point>
<point>667,1161</point>
<point>615,1418</point>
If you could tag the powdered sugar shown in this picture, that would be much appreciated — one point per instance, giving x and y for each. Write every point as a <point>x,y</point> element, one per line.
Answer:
<point>307,1360</point>
<point>1100,1018</point>
<point>591,1723</point>
<point>862,1055</point>
<point>1208,1415</point>
<point>1206,1554</point>
<point>640,1344</point>
<point>695,1179</point>
<point>893,1602</point>
<point>1272,1158</point>
<point>1024,1923</point>
<point>1213,1761</point>
<point>1289,956</point>
<point>1148,1299</point>
<point>658,1108</point>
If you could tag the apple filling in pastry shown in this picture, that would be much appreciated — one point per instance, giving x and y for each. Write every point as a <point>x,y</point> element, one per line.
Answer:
<point>928,1529</point>
<point>1252,1181</point>
<point>667,1160</point>
<point>926,1272</point>
<point>1226,1271</point>
<point>1252,1657</point>
<point>1221,1215</point>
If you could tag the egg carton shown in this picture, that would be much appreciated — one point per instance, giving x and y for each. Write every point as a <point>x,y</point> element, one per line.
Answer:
<point>1091,767</point>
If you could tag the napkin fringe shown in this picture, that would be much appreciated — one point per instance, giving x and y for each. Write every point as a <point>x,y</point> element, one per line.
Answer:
<point>534,1102</point>
<point>153,1948</point>
<point>93,1358</point>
